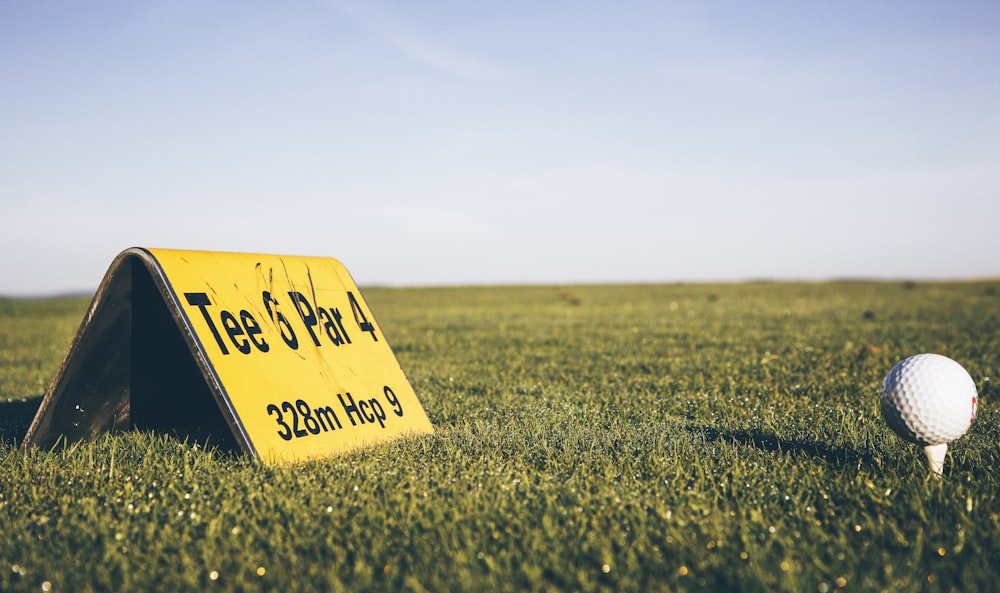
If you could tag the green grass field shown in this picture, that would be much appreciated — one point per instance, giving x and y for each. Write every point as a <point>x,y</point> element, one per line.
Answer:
<point>588,438</point>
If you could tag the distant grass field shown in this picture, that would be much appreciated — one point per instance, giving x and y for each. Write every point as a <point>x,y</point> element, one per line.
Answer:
<point>588,438</point>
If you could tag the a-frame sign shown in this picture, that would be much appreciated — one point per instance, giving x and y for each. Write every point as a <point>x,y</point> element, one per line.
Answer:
<point>275,356</point>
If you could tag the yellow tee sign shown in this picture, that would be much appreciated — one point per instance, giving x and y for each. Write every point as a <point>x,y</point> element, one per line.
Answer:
<point>286,345</point>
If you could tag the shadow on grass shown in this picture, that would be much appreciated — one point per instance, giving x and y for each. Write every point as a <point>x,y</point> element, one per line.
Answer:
<point>834,455</point>
<point>15,418</point>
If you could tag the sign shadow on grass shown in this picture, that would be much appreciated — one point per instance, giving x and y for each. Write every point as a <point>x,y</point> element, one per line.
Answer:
<point>15,417</point>
<point>834,455</point>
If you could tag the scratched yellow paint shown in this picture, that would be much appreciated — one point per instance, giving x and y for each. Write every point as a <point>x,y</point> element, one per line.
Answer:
<point>296,350</point>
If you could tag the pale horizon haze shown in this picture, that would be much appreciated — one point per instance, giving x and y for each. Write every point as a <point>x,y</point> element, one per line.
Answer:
<point>486,142</point>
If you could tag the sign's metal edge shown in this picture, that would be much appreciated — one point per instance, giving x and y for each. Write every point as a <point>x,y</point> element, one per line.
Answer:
<point>208,372</point>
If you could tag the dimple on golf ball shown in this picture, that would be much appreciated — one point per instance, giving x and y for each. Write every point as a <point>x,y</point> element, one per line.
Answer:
<point>929,399</point>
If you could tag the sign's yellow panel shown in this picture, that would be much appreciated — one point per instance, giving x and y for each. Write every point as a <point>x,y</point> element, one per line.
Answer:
<point>297,352</point>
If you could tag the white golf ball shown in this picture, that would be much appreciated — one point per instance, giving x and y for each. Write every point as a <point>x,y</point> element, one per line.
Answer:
<point>929,399</point>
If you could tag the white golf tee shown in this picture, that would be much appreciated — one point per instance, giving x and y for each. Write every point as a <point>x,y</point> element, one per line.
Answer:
<point>935,457</point>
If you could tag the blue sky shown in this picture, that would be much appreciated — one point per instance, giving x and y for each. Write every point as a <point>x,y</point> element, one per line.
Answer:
<point>426,143</point>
